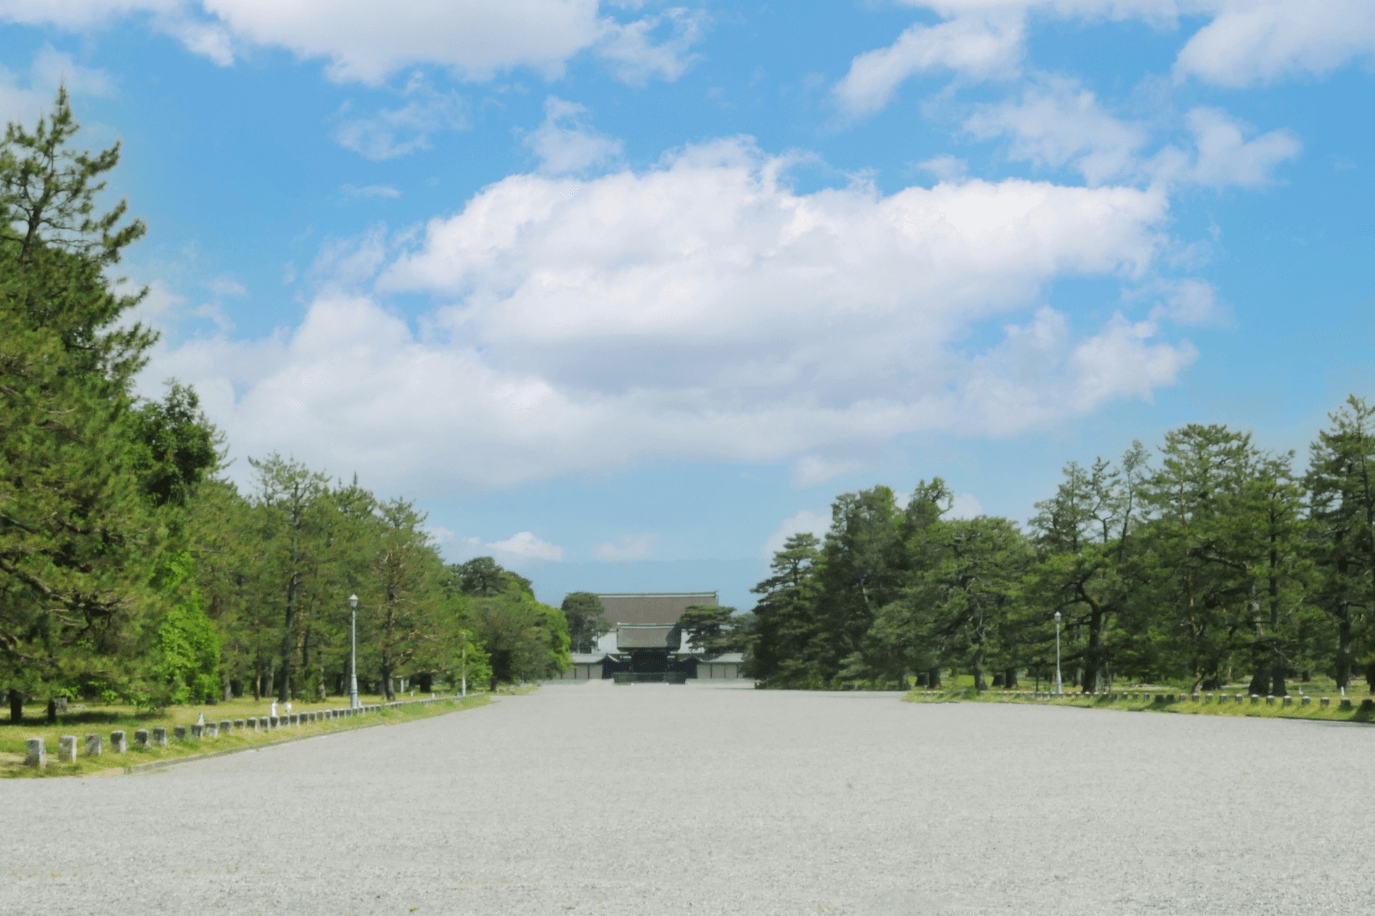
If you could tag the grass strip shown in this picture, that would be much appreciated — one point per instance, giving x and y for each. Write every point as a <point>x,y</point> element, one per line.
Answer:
<point>141,759</point>
<point>1361,710</point>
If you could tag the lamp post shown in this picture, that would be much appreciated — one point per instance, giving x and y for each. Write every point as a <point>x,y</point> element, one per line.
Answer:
<point>465,664</point>
<point>1059,687</point>
<point>353,652</point>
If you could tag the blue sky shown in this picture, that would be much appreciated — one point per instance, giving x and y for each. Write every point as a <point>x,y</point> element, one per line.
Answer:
<point>624,292</point>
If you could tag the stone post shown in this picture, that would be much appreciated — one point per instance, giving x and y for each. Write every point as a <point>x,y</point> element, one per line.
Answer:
<point>1269,701</point>
<point>227,727</point>
<point>36,753</point>
<point>274,722</point>
<point>295,718</point>
<point>119,742</point>
<point>1197,698</point>
<point>1325,701</point>
<point>159,736</point>
<point>1304,701</point>
<point>1287,701</point>
<point>1255,699</point>
<point>140,737</point>
<point>1346,702</point>
<point>92,745</point>
<point>238,723</point>
<point>211,730</point>
<point>179,732</point>
<point>66,749</point>
<point>1209,698</point>
<point>198,731</point>
<point>251,723</point>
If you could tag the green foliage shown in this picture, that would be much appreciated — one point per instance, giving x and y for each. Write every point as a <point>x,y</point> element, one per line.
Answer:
<point>711,628</point>
<point>586,620</point>
<point>187,647</point>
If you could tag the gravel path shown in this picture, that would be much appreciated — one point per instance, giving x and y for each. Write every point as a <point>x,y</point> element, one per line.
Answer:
<point>590,798</point>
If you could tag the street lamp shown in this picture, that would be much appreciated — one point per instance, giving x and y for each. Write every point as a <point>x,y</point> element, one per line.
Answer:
<point>353,658</point>
<point>1059,687</point>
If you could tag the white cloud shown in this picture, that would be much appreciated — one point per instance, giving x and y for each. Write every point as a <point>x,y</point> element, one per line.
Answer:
<point>817,523</point>
<point>52,67</point>
<point>975,47</point>
<point>627,547</point>
<point>565,143</point>
<point>1060,123</point>
<point>372,190</point>
<point>571,331</point>
<point>389,133</point>
<point>527,546</point>
<point>1259,41</point>
<point>634,56</point>
<point>964,505</point>
<point>1227,157</point>
<point>366,41</point>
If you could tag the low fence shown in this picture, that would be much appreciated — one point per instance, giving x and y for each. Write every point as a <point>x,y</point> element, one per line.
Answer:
<point>1147,696</point>
<point>36,751</point>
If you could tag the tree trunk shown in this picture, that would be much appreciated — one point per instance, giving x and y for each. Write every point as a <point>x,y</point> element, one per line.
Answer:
<point>52,712</point>
<point>1010,678</point>
<point>933,678</point>
<point>16,707</point>
<point>227,689</point>
<point>1345,655</point>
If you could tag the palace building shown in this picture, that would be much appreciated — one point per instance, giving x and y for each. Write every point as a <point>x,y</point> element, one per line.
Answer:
<point>646,642</point>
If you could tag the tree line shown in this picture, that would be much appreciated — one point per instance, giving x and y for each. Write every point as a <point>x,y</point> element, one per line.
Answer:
<point>131,567</point>
<point>1208,561</point>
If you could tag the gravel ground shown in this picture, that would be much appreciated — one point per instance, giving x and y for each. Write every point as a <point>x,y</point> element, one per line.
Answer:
<point>713,799</point>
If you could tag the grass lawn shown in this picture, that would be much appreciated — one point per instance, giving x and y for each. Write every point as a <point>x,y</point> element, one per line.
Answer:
<point>83,720</point>
<point>960,689</point>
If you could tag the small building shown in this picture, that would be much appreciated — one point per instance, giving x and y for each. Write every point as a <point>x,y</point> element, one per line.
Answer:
<point>647,643</point>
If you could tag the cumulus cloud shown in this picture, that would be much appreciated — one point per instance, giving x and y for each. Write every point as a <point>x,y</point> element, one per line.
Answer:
<point>573,331</point>
<point>964,505</point>
<point>1060,123</point>
<point>365,41</point>
<point>975,47</point>
<point>1260,41</point>
<point>520,551</point>
<point>566,143</point>
<point>627,548</point>
<point>817,523</point>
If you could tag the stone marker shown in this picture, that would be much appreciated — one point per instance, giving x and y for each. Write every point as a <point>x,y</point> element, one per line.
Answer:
<point>93,745</point>
<point>66,749</point>
<point>1209,698</point>
<point>238,723</point>
<point>1368,704</point>
<point>1325,701</point>
<point>273,722</point>
<point>211,730</point>
<point>140,737</point>
<point>1304,701</point>
<point>197,730</point>
<point>1196,696</point>
<point>1287,701</point>
<point>295,718</point>
<point>1269,701</point>
<point>119,742</point>
<point>160,736</point>
<point>251,723</point>
<point>1346,702</point>
<point>1255,699</point>
<point>227,727</point>
<point>36,753</point>
<point>179,732</point>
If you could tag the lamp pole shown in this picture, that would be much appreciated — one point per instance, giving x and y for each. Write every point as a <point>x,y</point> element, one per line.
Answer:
<point>465,664</point>
<point>1059,687</point>
<point>353,656</point>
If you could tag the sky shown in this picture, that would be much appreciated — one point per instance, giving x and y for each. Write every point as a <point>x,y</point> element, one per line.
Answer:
<point>624,293</point>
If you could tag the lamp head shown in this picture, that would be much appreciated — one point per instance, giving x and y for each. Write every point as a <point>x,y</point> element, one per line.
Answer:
<point>353,603</point>
<point>1057,616</point>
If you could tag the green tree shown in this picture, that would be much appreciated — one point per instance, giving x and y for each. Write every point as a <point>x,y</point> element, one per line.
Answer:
<point>788,629</point>
<point>1341,484</point>
<point>77,540</point>
<point>711,628</point>
<point>586,620</point>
